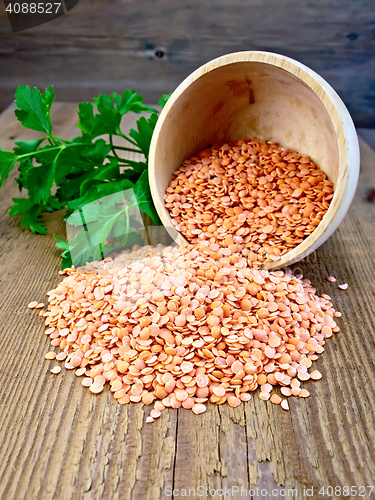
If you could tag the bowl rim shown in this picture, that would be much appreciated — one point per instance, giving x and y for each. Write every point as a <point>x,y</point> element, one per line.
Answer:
<point>347,142</point>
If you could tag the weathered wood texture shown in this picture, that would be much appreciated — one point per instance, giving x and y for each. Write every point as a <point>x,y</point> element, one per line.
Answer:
<point>60,442</point>
<point>152,46</point>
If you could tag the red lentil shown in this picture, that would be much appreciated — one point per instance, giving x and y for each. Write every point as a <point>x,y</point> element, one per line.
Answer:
<point>344,286</point>
<point>50,355</point>
<point>284,404</point>
<point>275,399</point>
<point>332,279</point>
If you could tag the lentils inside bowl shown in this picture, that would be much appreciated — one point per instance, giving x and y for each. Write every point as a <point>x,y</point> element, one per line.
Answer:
<point>250,195</point>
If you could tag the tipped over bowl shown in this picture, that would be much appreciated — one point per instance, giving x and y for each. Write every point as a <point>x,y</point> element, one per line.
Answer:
<point>269,96</point>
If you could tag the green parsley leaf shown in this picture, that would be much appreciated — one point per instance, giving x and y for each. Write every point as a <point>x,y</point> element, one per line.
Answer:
<point>23,168</point>
<point>53,203</point>
<point>108,122</point>
<point>98,152</point>
<point>64,245</point>
<point>93,212</point>
<point>40,179</point>
<point>131,101</point>
<point>77,164</point>
<point>104,102</point>
<point>33,108</point>
<point>144,199</point>
<point>21,205</point>
<point>163,100</point>
<point>86,116</point>
<point>24,147</point>
<point>142,136</point>
<point>30,219</point>
<point>7,162</point>
<point>93,189</point>
<point>66,260</point>
<point>90,240</point>
<point>109,171</point>
<point>31,213</point>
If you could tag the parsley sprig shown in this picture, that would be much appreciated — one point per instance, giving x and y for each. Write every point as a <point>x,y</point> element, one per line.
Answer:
<point>58,173</point>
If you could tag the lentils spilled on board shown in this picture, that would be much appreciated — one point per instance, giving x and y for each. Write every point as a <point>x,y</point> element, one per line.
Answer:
<point>180,326</point>
<point>249,194</point>
<point>186,325</point>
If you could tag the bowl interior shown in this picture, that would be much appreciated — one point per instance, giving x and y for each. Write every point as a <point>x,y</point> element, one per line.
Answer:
<point>240,99</point>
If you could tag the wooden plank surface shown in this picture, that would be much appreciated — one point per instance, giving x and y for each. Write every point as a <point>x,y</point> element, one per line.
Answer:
<point>58,441</point>
<point>109,46</point>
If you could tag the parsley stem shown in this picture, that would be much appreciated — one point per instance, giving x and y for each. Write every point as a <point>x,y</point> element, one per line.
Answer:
<point>131,150</point>
<point>33,153</point>
<point>126,137</point>
<point>60,139</point>
<point>113,146</point>
<point>123,161</point>
<point>127,223</point>
<point>57,157</point>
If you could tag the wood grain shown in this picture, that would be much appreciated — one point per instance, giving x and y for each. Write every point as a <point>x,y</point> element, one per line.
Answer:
<point>60,442</point>
<point>109,46</point>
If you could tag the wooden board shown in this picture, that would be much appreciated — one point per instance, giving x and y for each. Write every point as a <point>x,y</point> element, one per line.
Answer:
<point>58,441</point>
<point>109,46</point>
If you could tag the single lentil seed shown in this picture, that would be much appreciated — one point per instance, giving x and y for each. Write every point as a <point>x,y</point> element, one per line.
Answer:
<point>96,388</point>
<point>315,375</point>
<point>285,391</point>
<point>284,404</point>
<point>275,399</point>
<point>87,382</point>
<point>155,414</point>
<point>199,408</point>
<point>264,396</point>
<point>304,393</point>
<point>50,355</point>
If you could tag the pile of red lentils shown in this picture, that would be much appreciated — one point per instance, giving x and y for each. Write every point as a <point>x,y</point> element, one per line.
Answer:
<point>249,194</point>
<point>183,326</point>
<point>179,327</point>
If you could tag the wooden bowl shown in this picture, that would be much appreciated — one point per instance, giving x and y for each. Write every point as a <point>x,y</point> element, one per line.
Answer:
<point>273,98</point>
